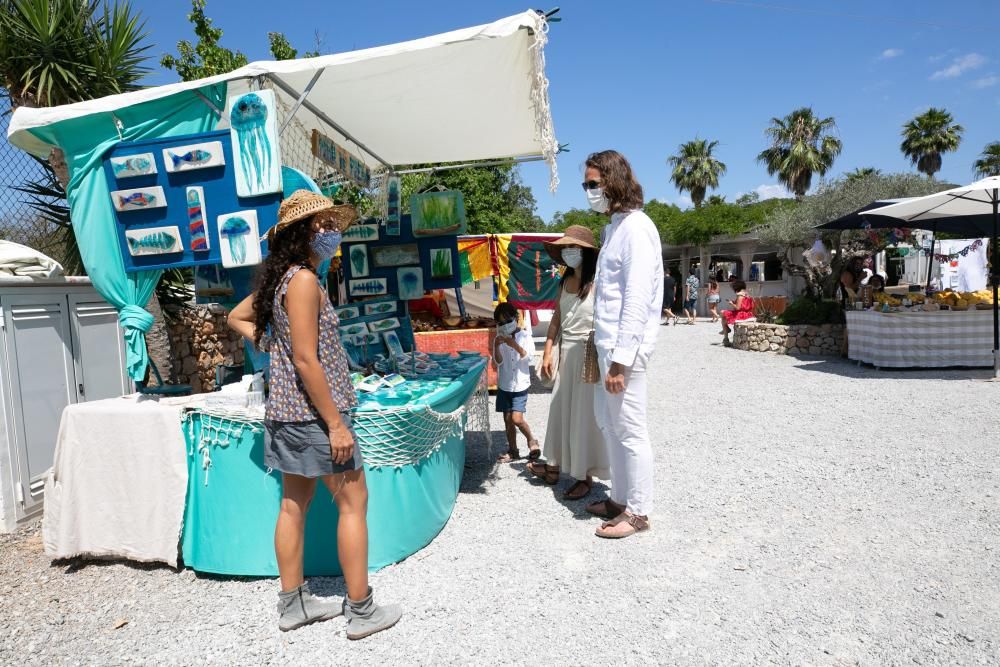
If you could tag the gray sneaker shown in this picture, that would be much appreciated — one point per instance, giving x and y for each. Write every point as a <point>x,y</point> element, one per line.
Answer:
<point>364,617</point>
<point>300,607</point>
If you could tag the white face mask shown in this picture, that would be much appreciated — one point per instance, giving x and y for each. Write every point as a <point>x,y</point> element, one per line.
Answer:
<point>507,329</point>
<point>598,202</point>
<point>572,257</point>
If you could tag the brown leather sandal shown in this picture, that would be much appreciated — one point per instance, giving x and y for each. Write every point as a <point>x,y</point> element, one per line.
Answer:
<point>606,509</point>
<point>578,491</point>
<point>548,474</point>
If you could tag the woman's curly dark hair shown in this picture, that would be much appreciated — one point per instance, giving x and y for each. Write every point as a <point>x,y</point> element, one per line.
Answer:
<point>290,247</point>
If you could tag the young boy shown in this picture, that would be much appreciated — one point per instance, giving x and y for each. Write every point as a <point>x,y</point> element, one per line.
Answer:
<point>512,351</point>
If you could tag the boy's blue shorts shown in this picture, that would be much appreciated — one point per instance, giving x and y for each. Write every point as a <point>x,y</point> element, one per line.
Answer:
<point>512,401</point>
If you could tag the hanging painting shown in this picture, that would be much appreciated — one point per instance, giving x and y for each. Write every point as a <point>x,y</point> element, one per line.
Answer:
<point>356,233</point>
<point>383,325</point>
<point>153,241</point>
<point>254,131</point>
<point>367,287</point>
<point>196,219</point>
<point>193,157</point>
<point>380,308</point>
<point>358,257</point>
<point>392,209</point>
<point>129,166</point>
<point>407,254</point>
<point>139,199</point>
<point>410,283</point>
<point>438,213</point>
<point>239,239</point>
<point>441,263</point>
<point>348,312</point>
<point>392,343</point>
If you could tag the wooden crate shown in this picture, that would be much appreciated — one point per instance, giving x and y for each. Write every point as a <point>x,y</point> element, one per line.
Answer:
<point>480,340</point>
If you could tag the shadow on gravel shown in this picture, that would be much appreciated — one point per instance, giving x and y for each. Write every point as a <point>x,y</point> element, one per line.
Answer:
<point>480,463</point>
<point>74,565</point>
<point>577,508</point>
<point>851,369</point>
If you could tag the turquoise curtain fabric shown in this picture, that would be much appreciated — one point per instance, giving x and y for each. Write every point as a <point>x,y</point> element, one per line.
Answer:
<point>85,141</point>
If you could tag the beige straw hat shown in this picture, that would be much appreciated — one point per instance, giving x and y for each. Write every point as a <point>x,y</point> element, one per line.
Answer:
<point>303,204</point>
<point>577,235</point>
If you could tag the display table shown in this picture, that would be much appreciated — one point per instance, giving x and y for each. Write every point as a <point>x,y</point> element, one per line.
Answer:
<point>118,481</point>
<point>921,339</point>
<point>480,340</point>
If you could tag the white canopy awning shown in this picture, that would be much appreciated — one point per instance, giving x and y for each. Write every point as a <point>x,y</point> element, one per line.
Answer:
<point>470,94</point>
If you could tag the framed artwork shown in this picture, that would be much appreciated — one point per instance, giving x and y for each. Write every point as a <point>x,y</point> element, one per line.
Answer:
<point>348,312</point>
<point>438,213</point>
<point>410,282</point>
<point>356,329</point>
<point>358,233</point>
<point>393,189</point>
<point>392,343</point>
<point>193,157</point>
<point>129,166</point>
<point>406,254</point>
<point>441,263</point>
<point>196,219</point>
<point>239,239</point>
<point>358,256</point>
<point>379,326</point>
<point>367,287</point>
<point>380,308</point>
<point>138,199</point>
<point>153,241</point>
<point>253,130</point>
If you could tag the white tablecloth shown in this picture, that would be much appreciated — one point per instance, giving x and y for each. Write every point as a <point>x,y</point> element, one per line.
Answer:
<point>118,482</point>
<point>919,339</point>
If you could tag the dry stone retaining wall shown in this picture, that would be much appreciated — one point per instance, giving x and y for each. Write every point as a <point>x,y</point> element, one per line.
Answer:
<point>200,340</point>
<point>823,339</point>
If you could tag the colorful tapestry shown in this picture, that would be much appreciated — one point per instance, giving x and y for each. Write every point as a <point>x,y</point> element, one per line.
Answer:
<point>528,278</point>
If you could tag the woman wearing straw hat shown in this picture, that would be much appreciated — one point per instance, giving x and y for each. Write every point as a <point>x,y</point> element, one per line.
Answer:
<point>308,432</point>
<point>573,441</point>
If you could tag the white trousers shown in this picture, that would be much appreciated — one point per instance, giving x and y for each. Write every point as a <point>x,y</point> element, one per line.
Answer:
<point>622,419</point>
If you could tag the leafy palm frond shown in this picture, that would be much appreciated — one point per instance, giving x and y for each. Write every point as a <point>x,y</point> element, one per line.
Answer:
<point>801,145</point>
<point>695,168</point>
<point>988,163</point>
<point>927,137</point>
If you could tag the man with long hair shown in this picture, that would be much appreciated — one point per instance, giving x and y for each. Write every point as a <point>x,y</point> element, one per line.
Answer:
<point>627,302</point>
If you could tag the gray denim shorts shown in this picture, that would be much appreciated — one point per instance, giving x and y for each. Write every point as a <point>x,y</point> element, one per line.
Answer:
<point>303,448</point>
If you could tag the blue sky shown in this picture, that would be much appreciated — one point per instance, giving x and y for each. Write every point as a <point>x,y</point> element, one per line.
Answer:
<point>642,77</point>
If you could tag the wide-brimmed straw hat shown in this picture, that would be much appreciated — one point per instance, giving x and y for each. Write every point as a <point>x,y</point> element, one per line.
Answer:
<point>303,204</point>
<point>576,235</point>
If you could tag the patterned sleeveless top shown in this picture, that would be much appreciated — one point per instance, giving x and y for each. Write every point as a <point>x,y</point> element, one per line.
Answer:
<point>288,400</point>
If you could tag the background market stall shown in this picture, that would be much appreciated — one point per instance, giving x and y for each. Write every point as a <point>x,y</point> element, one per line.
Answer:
<point>467,95</point>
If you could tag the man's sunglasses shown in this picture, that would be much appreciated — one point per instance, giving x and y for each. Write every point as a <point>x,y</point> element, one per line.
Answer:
<point>591,185</point>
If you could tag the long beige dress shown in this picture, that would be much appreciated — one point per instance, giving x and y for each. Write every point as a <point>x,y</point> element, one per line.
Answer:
<point>573,440</point>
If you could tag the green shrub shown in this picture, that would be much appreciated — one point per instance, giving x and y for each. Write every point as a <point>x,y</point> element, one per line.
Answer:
<point>807,310</point>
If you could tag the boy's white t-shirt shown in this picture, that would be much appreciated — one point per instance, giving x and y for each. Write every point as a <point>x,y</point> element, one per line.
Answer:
<point>514,372</point>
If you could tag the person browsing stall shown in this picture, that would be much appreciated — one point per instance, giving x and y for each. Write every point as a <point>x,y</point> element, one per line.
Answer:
<point>513,348</point>
<point>308,428</point>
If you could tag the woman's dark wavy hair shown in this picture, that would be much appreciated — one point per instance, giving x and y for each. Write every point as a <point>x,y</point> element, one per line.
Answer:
<point>588,268</point>
<point>290,247</point>
<point>620,187</point>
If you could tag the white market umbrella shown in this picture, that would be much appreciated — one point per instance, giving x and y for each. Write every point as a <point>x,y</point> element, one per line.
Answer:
<point>977,206</point>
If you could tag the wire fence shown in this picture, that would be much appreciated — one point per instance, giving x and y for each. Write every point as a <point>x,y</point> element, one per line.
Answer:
<point>20,222</point>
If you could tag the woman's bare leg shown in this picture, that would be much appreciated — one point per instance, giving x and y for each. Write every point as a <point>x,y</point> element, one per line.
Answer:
<point>289,532</point>
<point>350,492</point>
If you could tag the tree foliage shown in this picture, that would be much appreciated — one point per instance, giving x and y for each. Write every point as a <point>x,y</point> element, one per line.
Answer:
<point>801,145</point>
<point>496,201</point>
<point>927,137</point>
<point>988,163</point>
<point>696,169</point>
<point>795,227</point>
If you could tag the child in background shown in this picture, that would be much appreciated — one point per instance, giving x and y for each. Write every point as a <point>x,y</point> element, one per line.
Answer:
<point>512,352</point>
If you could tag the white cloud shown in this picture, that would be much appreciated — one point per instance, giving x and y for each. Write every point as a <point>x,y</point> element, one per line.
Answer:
<point>772,191</point>
<point>891,53</point>
<point>986,81</point>
<point>683,201</point>
<point>959,66</point>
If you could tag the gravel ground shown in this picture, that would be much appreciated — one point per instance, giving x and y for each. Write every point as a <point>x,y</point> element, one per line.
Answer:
<point>810,511</point>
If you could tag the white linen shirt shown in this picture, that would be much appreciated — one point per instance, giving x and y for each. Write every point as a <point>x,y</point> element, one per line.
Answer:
<point>514,371</point>
<point>629,287</point>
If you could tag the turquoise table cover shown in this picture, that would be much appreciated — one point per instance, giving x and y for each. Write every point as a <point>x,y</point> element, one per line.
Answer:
<point>232,505</point>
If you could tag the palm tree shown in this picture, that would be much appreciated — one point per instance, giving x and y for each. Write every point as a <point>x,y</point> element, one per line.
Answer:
<point>927,137</point>
<point>695,169</point>
<point>988,163</point>
<point>801,145</point>
<point>861,173</point>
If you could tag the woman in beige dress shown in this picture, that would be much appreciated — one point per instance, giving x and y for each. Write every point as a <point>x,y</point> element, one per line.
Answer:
<point>573,441</point>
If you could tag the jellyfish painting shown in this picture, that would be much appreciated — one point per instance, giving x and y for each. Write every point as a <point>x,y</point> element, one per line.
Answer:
<point>238,239</point>
<point>410,282</point>
<point>359,260</point>
<point>253,130</point>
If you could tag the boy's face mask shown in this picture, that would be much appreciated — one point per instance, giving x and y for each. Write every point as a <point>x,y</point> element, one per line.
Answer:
<point>508,328</point>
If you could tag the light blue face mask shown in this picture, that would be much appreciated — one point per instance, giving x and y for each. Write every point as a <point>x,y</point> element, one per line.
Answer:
<point>325,244</point>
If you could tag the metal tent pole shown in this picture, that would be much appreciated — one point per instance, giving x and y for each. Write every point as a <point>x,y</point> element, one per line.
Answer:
<point>994,268</point>
<point>930,257</point>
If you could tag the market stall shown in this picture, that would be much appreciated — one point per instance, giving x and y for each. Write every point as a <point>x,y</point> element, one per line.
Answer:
<point>191,175</point>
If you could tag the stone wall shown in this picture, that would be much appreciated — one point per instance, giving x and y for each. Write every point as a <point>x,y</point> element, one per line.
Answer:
<point>824,339</point>
<point>200,340</point>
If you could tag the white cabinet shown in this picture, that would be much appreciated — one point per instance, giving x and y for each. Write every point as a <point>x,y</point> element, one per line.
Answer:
<point>60,343</point>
